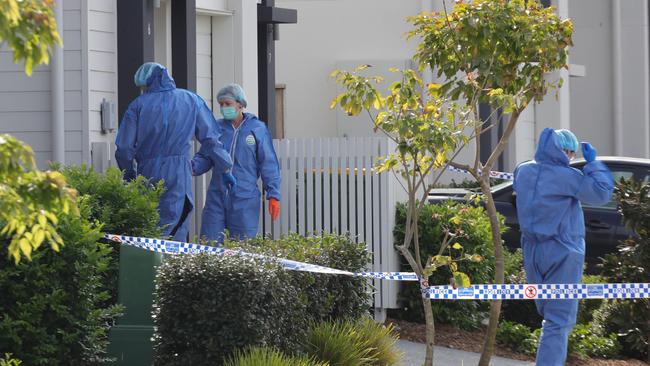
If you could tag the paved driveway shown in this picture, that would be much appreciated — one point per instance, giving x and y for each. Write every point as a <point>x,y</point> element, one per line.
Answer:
<point>414,356</point>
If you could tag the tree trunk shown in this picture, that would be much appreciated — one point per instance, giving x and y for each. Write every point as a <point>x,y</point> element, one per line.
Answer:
<point>499,275</point>
<point>430,331</point>
<point>426,303</point>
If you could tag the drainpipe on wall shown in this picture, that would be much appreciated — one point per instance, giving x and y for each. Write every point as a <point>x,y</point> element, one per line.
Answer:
<point>427,75</point>
<point>618,77</point>
<point>58,90</point>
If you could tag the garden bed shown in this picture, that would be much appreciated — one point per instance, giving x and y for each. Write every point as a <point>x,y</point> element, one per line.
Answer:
<point>472,341</point>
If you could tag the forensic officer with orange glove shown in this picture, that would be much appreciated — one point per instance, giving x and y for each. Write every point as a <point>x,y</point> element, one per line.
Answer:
<point>233,199</point>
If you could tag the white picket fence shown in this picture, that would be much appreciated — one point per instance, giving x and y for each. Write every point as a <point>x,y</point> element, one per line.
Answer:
<point>328,185</point>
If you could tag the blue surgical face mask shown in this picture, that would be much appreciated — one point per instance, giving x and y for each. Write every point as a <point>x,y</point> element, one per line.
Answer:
<point>229,113</point>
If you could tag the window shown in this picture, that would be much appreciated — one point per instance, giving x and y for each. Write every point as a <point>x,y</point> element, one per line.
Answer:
<point>617,175</point>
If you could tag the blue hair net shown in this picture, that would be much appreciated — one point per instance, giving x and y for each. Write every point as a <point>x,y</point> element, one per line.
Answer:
<point>567,140</point>
<point>234,92</point>
<point>144,72</point>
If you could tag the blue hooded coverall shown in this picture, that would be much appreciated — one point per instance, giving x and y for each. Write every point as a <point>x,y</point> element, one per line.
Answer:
<point>251,149</point>
<point>156,131</point>
<point>549,193</point>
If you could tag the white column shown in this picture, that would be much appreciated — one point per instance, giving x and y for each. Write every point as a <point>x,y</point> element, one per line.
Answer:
<point>564,95</point>
<point>631,78</point>
<point>245,48</point>
<point>58,92</point>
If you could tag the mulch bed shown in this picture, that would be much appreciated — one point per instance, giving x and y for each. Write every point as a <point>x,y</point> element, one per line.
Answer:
<point>472,341</point>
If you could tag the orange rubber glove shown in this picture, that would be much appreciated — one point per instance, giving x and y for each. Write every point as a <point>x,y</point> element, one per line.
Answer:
<point>274,208</point>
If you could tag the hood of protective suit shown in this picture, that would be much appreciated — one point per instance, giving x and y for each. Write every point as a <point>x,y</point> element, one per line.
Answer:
<point>160,81</point>
<point>549,150</point>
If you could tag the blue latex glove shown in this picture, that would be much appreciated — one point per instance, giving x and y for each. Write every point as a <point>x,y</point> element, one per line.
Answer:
<point>229,180</point>
<point>588,151</point>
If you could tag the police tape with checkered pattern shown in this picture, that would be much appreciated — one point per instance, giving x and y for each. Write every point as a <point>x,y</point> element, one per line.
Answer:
<point>544,291</point>
<point>493,174</point>
<point>474,292</point>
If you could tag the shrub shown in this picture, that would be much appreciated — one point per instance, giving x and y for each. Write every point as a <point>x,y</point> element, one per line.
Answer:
<point>206,307</point>
<point>517,336</point>
<point>259,356</point>
<point>360,342</point>
<point>466,314</point>
<point>53,309</point>
<point>382,341</point>
<point>584,342</point>
<point>630,319</point>
<point>127,208</point>
<point>325,296</point>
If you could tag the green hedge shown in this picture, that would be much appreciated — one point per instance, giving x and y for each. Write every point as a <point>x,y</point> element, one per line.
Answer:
<point>53,309</point>
<point>466,314</point>
<point>126,208</point>
<point>206,307</point>
<point>58,308</point>
<point>327,297</point>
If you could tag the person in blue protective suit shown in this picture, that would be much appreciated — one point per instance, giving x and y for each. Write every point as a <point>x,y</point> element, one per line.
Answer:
<point>156,133</point>
<point>549,193</point>
<point>236,207</point>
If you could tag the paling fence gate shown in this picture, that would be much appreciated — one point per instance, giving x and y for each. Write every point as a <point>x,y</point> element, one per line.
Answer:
<point>328,185</point>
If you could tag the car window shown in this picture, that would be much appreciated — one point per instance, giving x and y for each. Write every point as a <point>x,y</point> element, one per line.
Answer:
<point>617,174</point>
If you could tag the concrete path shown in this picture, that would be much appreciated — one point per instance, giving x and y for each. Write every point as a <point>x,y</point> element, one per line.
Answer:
<point>414,356</point>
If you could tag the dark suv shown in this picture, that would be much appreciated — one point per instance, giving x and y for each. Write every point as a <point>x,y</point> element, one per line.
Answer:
<point>603,224</point>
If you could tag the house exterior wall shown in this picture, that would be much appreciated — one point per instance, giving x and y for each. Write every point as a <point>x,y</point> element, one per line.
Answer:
<point>343,32</point>
<point>89,38</point>
<point>101,68</point>
<point>330,32</point>
<point>25,102</point>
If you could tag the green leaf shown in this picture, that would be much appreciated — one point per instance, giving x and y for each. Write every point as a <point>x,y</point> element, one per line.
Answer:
<point>461,280</point>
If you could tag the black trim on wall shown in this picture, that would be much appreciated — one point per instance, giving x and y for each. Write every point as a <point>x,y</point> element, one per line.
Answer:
<point>184,43</point>
<point>135,46</point>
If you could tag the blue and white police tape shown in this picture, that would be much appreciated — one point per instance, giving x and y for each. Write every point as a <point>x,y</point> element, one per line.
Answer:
<point>493,174</point>
<point>177,247</point>
<point>543,291</point>
<point>474,292</point>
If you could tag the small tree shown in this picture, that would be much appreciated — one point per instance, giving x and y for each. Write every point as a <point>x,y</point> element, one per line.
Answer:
<point>496,52</point>
<point>31,200</point>
<point>428,134</point>
<point>630,319</point>
<point>29,29</point>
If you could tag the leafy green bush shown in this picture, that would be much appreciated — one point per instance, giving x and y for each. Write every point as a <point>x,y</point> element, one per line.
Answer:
<point>360,342</point>
<point>54,309</point>
<point>206,307</point>
<point>259,356</point>
<point>477,239</point>
<point>585,342</point>
<point>517,336</point>
<point>325,296</point>
<point>630,319</point>
<point>126,208</point>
